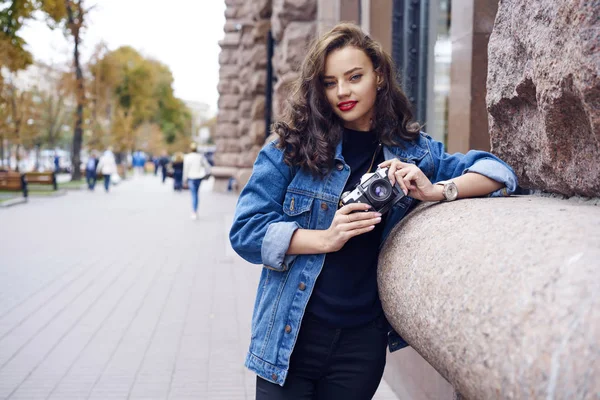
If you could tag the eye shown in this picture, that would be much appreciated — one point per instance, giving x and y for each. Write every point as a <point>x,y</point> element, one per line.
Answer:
<point>355,77</point>
<point>329,84</point>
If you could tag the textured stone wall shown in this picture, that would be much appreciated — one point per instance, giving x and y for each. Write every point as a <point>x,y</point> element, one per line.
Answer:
<point>241,128</point>
<point>294,27</point>
<point>501,296</point>
<point>544,93</point>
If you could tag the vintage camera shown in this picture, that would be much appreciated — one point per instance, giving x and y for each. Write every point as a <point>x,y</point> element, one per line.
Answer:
<point>376,190</point>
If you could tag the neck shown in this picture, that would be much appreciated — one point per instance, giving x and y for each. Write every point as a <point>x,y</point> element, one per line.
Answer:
<point>363,125</point>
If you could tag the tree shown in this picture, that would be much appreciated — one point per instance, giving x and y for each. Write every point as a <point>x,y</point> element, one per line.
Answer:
<point>53,101</point>
<point>74,23</point>
<point>100,94</point>
<point>131,91</point>
<point>20,117</point>
<point>13,14</point>
<point>13,55</point>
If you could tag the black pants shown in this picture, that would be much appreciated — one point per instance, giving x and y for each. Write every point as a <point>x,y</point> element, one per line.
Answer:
<point>332,364</point>
<point>178,180</point>
<point>90,177</point>
<point>106,182</point>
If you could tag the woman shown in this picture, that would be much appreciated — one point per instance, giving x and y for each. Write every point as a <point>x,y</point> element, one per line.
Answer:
<point>177,165</point>
<point>318,328</point>
<point>195,168</point>
<point>107,166</point>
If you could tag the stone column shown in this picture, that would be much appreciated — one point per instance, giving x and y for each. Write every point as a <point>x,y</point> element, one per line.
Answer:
<point>294,26</point>
<point>499,295</point>
<point>226,132</point>
<point>472,23</point>
<point>240,123</point>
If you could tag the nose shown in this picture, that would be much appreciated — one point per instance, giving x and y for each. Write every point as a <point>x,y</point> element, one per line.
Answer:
<point>343,90</point>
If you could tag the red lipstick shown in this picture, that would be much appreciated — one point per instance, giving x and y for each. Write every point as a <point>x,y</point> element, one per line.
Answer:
<point>346,105</point>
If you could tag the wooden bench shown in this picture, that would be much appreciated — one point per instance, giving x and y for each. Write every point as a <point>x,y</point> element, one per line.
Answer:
<point>13,181</point>
<point>42,178</point>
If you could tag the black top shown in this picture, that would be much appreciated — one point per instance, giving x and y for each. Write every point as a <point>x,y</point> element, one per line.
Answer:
<point>345,294</point>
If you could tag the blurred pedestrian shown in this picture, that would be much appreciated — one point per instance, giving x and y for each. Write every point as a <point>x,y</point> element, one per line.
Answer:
<point>231,184</point>
<point>195,168</point>
<point>90,170</point>
<point>178,171</point>
<point>156,162</point>
<point>139,161</point>
<point>56,161</point>
<point>107,166</point>
<point>164,162</point>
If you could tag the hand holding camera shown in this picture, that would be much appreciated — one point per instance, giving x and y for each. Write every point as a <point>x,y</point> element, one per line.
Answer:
<point>349,222</point>
<point>411,180</point>
<point>376,190</point>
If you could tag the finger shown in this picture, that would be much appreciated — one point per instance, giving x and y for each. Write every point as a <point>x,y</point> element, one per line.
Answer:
<point>412,176</point>
<point>401,182</point>
<point>387,163</point>
<point>349,208</point>
<point>361,216</point>
<point>363,224</point>
<point>349,221</point>
<point>357,232</point>
<point>392,169</point>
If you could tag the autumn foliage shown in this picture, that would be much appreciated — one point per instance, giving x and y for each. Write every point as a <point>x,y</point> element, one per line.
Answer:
<point>118,98</point>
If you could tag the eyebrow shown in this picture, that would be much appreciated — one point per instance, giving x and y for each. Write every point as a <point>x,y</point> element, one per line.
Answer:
<point>345,73</point>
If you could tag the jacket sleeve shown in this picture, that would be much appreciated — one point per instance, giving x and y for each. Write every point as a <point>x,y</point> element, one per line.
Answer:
<point>259,232</point>
<point>448,166</point>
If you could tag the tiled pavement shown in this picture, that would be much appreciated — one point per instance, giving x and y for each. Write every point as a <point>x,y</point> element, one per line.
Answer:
<point>122,296</point>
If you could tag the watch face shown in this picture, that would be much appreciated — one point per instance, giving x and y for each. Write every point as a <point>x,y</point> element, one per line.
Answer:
<point>450,191</point>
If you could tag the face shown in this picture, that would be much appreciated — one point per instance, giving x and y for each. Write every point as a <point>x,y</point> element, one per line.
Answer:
<point>351,86</point>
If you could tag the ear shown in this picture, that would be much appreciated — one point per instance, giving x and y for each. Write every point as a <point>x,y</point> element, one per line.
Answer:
<point>379,78</point>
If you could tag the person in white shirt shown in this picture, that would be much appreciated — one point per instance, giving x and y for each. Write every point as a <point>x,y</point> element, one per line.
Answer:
<point>195,168</point>
<point>107,166</point>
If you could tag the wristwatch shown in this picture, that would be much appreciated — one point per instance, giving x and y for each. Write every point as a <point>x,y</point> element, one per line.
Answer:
<point>450,190</point>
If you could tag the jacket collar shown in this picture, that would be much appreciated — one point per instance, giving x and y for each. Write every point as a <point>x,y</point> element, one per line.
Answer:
<point>408,150</point>
<point>338,151</point>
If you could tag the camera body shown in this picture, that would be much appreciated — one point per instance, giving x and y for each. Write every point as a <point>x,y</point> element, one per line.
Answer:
<point>376,190</point>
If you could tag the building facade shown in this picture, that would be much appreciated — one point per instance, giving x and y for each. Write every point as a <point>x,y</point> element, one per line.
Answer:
<point>265,41</point>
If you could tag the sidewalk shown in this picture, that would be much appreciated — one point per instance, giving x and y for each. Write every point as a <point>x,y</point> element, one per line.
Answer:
<point>122,296</point>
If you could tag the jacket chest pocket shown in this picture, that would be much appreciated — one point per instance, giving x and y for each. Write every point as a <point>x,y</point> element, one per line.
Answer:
<point>297,208</point>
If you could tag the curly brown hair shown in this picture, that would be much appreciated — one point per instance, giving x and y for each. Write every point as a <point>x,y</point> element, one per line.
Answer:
<point>309,129</point>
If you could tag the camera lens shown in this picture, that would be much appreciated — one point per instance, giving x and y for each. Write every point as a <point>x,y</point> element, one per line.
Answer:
<point>380,190</point>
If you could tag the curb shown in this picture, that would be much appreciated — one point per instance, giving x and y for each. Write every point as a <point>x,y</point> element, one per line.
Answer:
<point>13,202</point>
<point>57,193</point>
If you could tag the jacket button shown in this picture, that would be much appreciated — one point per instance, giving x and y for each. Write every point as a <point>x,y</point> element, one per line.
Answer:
<point>324,206</point>
<point>339,166</point>
<point>302,286</point>
<point>274,376</point>
<point>288,329</point>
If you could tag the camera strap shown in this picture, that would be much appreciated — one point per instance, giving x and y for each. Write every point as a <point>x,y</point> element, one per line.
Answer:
<point>374,157</point>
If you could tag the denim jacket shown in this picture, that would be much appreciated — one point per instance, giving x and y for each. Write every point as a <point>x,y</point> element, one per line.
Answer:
<point>278,199</point>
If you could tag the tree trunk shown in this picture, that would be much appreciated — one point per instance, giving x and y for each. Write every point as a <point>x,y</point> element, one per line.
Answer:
<point>37,157</point>
<point>78,133</point>
<point>17,158</point>
<point>1,151</point>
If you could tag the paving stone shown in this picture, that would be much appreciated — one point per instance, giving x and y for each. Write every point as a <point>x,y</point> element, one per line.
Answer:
<point>122,296</point>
